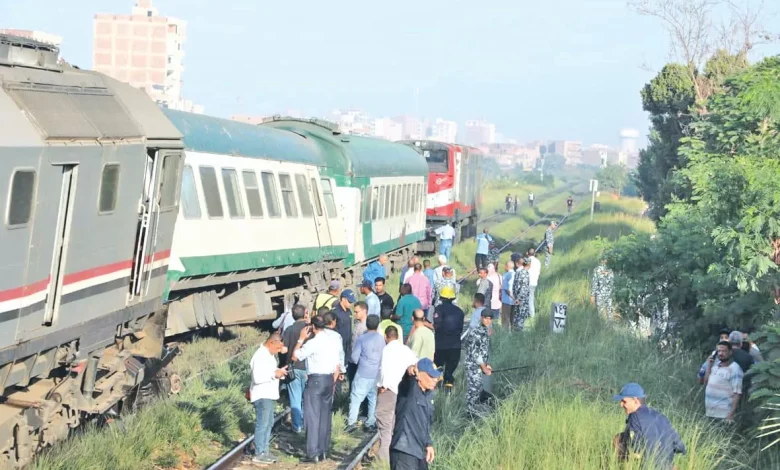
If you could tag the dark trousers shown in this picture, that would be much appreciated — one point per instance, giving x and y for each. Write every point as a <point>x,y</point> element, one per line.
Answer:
<point>402,461</point>
<point>481,261</point>
<point>448,358</point>
<point>317,406</point>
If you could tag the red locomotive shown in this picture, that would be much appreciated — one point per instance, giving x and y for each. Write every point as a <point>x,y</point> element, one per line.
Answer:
<point>454,183</point>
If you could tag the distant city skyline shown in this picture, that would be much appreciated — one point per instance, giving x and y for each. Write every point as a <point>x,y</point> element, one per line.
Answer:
<point>564,69</point>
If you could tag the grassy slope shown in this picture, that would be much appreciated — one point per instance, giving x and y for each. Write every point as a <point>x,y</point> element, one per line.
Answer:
<point>558,413</point>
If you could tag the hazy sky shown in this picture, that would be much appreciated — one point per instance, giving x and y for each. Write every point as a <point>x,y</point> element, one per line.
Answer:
<point>560,69</point>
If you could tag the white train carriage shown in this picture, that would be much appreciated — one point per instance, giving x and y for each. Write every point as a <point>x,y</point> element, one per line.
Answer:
<point>258,224</point>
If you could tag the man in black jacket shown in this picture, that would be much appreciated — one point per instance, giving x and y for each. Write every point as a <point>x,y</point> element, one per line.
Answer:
<point>448,326</point>
<point>296,386</point>
<point>412,445</point>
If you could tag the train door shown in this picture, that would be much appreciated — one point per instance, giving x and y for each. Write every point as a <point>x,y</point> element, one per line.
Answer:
<point>50,221</point>
<point>67,196</point>
<point>157,209</point>
<point>320,216</point>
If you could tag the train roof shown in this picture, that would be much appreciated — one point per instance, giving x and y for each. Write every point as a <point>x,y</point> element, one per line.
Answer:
<point>353,155</point>
<point>210,134</point>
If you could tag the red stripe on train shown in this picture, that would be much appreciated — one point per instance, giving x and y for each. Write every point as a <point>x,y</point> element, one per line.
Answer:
<point>36,287</point>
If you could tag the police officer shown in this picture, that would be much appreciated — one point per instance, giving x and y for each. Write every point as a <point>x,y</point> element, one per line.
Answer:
<point>521,292</point>
<point>549,240</point>
<point>477,343</point>
<point>602,288</point>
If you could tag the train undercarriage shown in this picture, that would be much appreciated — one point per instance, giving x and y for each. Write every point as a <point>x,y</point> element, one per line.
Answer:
<point>80,386</point>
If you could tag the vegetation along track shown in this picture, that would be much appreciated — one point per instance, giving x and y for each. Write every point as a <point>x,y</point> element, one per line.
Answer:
<point>193,429</point>
<point>238,457</point>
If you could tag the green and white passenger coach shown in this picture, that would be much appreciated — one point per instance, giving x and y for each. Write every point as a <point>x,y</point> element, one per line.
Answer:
<point>269,214</point>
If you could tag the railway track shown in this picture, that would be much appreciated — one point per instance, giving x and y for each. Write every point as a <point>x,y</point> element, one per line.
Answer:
<point>239,457</point>
<point>547,217</point>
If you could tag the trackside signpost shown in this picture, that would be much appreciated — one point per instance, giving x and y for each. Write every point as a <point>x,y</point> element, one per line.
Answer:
<point>594,186</point>
<point>558,317</point>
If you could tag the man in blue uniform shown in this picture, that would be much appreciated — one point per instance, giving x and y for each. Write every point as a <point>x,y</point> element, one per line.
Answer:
<point>648,434</point>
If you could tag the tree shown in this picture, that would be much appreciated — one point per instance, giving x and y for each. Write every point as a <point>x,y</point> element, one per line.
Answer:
<point>694,35</point>
<point>734,166</point>
<point>613,177</point>
<point>706,53</point>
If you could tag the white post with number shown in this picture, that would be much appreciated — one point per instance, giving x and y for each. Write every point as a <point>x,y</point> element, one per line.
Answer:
<point>594,186</point>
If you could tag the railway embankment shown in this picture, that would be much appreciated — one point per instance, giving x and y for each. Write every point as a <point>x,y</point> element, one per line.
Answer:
<point>558,412</point>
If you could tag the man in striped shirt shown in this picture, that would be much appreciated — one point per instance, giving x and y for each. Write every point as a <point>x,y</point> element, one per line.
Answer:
<point>724,384</point>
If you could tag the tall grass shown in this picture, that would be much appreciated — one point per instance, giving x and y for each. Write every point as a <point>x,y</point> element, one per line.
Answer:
<point>558,413</point>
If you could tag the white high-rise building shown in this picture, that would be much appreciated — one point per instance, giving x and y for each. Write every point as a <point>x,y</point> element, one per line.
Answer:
<point>479,133</point>
<point>444,131</point>
<point>628,141</point>
<point>386,128</point>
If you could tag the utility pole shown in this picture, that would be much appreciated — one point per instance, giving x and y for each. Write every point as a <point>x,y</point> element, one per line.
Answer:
<point>543,152</point>
<point>594,186</point>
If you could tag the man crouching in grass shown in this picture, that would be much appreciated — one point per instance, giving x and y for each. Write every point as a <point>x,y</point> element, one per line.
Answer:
<point>648,434</point>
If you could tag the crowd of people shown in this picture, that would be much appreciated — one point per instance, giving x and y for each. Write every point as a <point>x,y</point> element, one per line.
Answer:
<point>386,354</point>
<point>389,357</point>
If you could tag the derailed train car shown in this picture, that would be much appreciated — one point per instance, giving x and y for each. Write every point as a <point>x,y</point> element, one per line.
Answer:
<point>95,276</point>
<point>91,169</point>
<point>269,214</point>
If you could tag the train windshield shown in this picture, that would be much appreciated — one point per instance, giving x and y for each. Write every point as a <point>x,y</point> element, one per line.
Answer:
<point>437,160</point>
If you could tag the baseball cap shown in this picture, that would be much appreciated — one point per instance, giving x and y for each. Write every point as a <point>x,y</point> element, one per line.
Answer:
<point>426,365</point>
<point>735,337</point>
<point>516,257</point>
<point>630,390</point>
<point>366,284</point>
<point>526,261</point>
<point>334,285</point>
<point>446,269</point>
<point>487,313</point>
<point>349,295</point>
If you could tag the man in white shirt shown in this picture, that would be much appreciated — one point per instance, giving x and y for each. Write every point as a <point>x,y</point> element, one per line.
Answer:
<point>324,356</point>
<point>533,273</point>
<point>438,275</point>
<point>446,234</point>
<point>397,359</point>
<point>283,322</point>
<point>264,392</point>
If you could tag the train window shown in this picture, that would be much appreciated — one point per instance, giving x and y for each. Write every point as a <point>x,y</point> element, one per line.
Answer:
<point>303,195</point>
<point>21,198</point>
<point>408,196</point>
<point>232,193</point>
<point>169,183</point>
<point>383,202</point>
<point>374,202</point>
<point>363,204</point>
<point>391,197</point>
<point>252,191</point>
<point>317,201</point>
<point>437,160</point>
<point>189,194</point>
<point>109,188</point>
<point>271,196</point>
<point>330,201</point>
<point>398,190</point>
<point>288,195</point>
<point>208,179</point>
